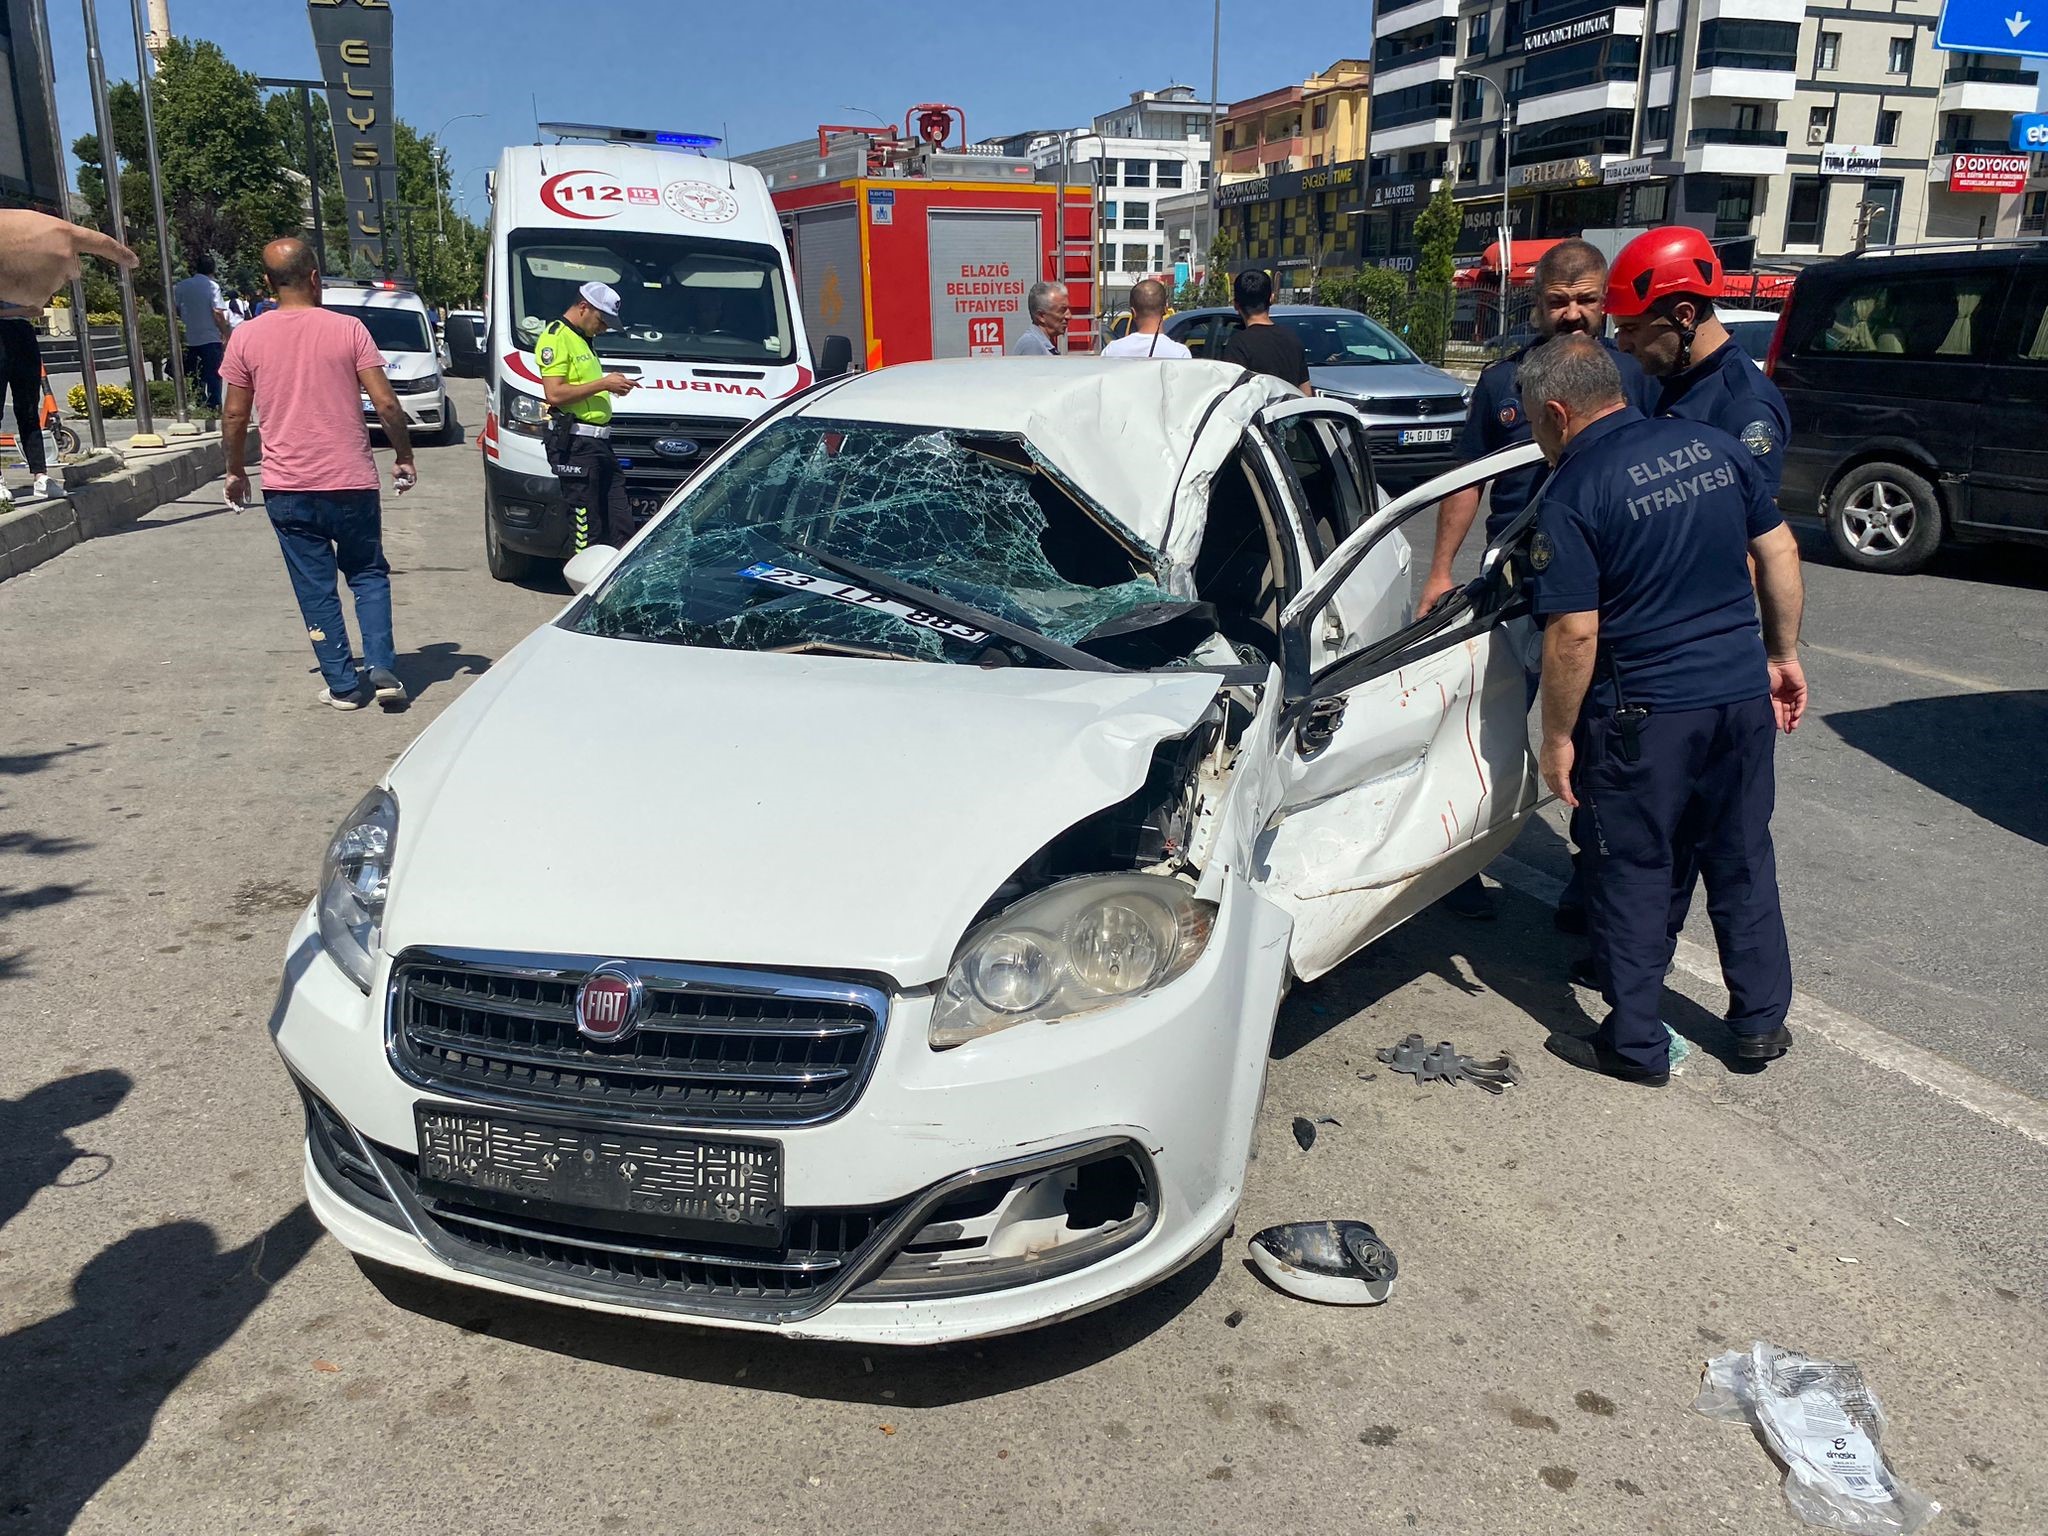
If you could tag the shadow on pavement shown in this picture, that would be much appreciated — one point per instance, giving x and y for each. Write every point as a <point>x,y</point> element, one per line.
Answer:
<point>35,1143</point>
<point>145,524</point>
<point>438,663</point>
<point>885,1378</point>
<point>1998,565</point>
<point>1982,750</point>
<point>36,762</point>
<point>85,1385</point>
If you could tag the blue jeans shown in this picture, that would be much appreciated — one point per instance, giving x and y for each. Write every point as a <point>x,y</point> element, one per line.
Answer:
<point>203,362</point>
<point>322,532</point>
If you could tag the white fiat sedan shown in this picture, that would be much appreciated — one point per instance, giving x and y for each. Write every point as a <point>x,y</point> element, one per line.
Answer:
<point>862,913</point>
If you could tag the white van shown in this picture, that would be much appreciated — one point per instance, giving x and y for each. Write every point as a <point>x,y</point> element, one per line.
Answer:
<point>711,328</point>
<point>399,324</point>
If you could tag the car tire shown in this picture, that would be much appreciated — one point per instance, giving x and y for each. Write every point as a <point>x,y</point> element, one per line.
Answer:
<point>1885,517</point>
<point>504,564</point>
<point>451,429</point>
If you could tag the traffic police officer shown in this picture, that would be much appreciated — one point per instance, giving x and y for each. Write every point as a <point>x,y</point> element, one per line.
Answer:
<point>1661,695</point>
<point>1570,283</point>
<point>1661,295</point>
<point>578,440</point>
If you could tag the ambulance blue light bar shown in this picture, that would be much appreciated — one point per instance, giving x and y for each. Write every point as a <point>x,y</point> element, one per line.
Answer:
<point>660,138</point>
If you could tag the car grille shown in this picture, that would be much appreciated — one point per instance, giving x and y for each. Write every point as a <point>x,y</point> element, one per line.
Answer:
<point>651,478</point>
<point>1418,406</point>
<point>714,1045</point>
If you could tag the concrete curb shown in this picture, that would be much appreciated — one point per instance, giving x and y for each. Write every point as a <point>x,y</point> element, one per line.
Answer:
<point>107,503</point>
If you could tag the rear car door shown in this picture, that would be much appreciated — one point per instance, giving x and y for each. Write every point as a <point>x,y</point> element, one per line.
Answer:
<point>1404,763</point>
<point>2009,475</point>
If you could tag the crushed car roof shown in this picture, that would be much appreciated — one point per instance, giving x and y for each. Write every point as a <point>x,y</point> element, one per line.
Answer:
<point>1142,438</point>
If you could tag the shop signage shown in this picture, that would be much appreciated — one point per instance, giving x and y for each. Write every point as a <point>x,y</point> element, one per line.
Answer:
<point>1266,189</point>
<point>1486,217</point>
<point>1987,173</point>
<point>354,44</point>
<point>1396,263</point>
<point>1568,32</point>
<point>1392,194</point>
<point>1850,160</point>
<point>2030,133</point>
<point>1625,171</point>
<point>1574,171</point>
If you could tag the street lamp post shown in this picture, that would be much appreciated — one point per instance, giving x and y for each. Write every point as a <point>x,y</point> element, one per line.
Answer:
<point>1507,235</point>
<point>110,161</point>
<point>144,89</point>
<point>441,153</point>
<point>81,331</point>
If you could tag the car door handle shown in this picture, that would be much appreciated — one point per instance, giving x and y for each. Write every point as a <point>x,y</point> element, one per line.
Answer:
<point>1318,725</point>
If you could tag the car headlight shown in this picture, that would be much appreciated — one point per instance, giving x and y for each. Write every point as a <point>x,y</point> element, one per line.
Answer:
<point>1465,394</point>
<point>354,882</point>
<point>522,413</point>
<point>1070,949</point>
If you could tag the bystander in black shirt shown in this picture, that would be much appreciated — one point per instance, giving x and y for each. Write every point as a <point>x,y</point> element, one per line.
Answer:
<point>1270,349</point>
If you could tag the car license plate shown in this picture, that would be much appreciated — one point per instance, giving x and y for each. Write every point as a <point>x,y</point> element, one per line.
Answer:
<point>1413,435</point>
<point>728,1190</point>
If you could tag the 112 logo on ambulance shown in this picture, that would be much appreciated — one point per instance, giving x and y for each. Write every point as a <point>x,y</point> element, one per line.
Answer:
<point>592,195</point>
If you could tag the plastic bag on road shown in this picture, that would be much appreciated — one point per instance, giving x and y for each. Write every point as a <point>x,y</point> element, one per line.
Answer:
<point>1819,1418</point>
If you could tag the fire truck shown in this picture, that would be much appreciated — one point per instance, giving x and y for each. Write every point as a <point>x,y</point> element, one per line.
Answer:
<point>915,250</point>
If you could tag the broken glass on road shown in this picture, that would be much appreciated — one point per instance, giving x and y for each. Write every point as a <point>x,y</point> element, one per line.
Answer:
<point>972,518</point>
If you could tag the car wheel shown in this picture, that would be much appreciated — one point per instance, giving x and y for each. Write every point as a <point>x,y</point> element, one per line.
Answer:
<point>1884,517</point>
<point>504,564</point>
<point>451,429</point>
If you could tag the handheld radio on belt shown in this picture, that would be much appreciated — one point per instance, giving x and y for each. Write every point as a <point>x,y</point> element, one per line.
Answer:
<point>1628,718</point>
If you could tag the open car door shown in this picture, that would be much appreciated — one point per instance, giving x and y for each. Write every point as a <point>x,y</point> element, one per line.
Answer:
<point>1404,764</point>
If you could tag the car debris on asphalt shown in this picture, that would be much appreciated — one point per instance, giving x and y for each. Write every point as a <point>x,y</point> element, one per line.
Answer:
<point>1824,1423</point>
<point>1443,1064</point>
<point>1341,1263</point>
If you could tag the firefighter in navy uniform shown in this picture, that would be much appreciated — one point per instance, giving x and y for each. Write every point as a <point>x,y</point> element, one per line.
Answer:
<point>1570,288</point>
<point>1662,694</point>
<point>1660,294</point>
<point>578,437</point>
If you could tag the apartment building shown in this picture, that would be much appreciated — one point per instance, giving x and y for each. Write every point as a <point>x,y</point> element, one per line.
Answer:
<point>1293,175</point>
<point>1777,127</point>
<point>1146,158</point>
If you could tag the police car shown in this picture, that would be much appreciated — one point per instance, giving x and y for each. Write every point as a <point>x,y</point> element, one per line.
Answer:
<point>403,332</point>
<point>1014,737</point>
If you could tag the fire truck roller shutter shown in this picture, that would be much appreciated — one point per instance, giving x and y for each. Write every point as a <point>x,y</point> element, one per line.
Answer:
<point>828,275</point>
<point>981,266</point>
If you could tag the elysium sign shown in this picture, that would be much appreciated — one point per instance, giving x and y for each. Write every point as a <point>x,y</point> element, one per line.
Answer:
<point>353,38</point>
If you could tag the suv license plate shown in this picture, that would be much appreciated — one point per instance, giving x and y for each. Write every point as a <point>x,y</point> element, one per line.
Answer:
<point>730,1190</point>
<point>1412,435</point>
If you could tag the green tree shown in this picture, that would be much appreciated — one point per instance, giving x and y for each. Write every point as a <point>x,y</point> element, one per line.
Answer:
<point>1216,278</point>
<point>1436,237</point>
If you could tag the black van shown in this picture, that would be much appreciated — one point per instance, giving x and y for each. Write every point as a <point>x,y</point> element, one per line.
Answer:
<point>1917,380</point>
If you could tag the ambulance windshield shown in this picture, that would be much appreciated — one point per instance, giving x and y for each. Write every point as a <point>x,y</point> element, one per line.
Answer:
<point>700,301</point>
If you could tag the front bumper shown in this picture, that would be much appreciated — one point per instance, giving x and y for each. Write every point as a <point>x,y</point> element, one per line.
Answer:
<point>426,412</point>
<point>1170,1082</point>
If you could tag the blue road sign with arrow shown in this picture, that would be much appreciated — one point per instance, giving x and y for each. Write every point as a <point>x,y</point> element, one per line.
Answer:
<point>1993,26</point>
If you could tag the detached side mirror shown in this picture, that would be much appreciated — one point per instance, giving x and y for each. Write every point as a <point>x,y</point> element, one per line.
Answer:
<point>836,358</point>
<point>587,567</point>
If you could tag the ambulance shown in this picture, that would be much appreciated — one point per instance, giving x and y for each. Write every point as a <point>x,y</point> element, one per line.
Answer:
<point>711,329</point>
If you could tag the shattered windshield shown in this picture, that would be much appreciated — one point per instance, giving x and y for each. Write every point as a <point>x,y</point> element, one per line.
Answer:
<point>970,518</point>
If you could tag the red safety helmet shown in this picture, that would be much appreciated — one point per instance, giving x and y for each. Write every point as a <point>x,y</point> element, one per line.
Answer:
<point>1659,263</point>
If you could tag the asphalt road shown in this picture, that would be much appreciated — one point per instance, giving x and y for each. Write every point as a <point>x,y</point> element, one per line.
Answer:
<point>184,1352</point>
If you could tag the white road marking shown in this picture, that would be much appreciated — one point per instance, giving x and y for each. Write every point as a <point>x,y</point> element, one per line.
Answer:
<point>1910,668</point>
<point>1880,1047</point>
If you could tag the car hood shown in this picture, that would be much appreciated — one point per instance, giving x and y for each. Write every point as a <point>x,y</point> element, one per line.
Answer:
<point>1380,381</point>
<point>411,365</point>
<point>645,801</point>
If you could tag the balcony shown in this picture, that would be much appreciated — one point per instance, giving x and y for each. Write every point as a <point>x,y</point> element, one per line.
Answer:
<point>1399,15</point>
<point>1970,87</point>
<point>1754,81</point>
<point>1735,151</point>
<point>1973,147</point>
<point>1754,10</point>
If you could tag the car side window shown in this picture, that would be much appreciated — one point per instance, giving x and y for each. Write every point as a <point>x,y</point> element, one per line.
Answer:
<point>2026,337</point>
<point>1324,460</point>
<point>1194,335</point>
<point>1923,316</point>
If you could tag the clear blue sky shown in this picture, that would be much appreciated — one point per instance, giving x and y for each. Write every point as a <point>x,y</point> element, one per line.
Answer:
<point>766,70</point>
